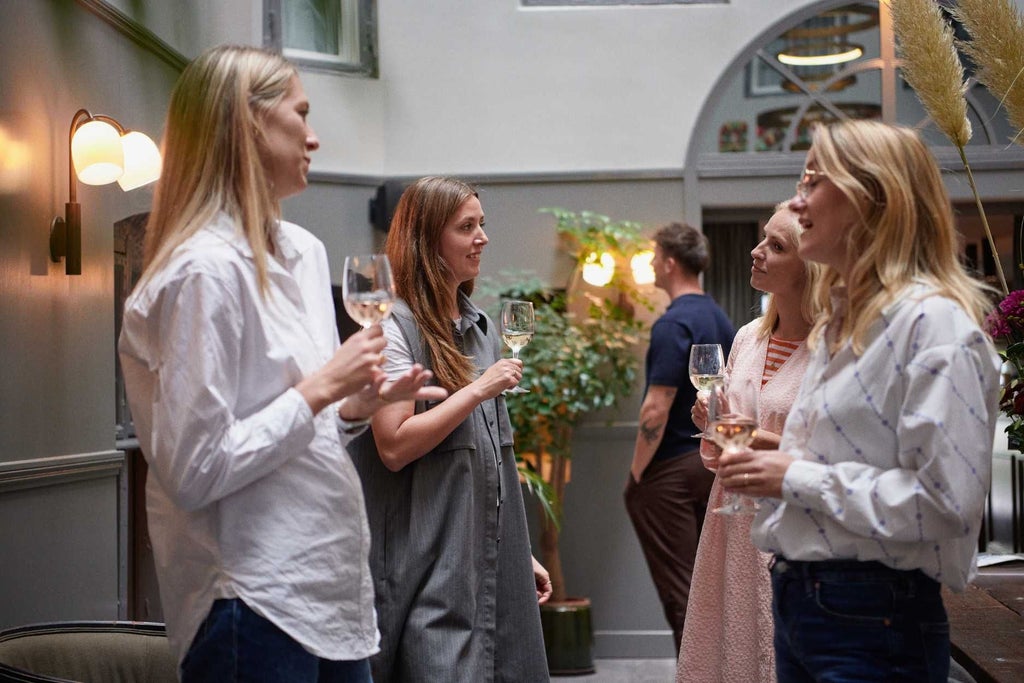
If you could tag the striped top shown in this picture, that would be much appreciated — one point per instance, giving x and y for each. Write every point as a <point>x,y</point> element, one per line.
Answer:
<point>779,351</point>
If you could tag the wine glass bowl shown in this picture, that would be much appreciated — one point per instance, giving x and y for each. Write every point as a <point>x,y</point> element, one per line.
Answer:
<point>517,328</point>
<point>707,366</point>
<point>707,369</point>
<point>733,428</point>
<point>368,288</point>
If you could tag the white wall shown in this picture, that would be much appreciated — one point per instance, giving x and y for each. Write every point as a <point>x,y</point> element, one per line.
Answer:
<point>491,87</point>
<point>469,87</point>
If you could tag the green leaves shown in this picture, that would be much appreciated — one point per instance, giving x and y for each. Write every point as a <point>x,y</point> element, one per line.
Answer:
<point>543,491</point>
<point>571,367</point>
<point>576,363</point>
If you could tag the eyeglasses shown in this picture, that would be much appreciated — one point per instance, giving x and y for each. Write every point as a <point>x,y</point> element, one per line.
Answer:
<point>804,187</point>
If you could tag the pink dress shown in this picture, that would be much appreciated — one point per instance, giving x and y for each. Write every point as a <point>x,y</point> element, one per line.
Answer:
<point>728,633</point>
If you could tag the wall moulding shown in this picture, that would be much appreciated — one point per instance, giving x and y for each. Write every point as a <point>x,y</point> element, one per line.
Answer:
<point>136,32</point>
<point>61,469</point>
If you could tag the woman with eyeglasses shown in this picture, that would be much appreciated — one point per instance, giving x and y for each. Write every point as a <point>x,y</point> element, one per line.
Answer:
<point>874,497</point>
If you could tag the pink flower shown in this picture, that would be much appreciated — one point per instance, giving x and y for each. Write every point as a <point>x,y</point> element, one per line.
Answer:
<point>1007,319</point>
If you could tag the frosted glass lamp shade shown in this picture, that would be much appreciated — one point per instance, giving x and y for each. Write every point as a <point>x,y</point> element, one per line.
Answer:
<point>640,264</point>
<point>141,161</point>
<point>598,270</point>
<point>97,153</point>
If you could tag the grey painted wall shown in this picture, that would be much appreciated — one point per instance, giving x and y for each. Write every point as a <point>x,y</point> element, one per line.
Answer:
<point>62,539</point>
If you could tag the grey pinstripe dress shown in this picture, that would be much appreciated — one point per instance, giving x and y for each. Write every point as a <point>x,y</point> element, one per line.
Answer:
<point>450,555</point>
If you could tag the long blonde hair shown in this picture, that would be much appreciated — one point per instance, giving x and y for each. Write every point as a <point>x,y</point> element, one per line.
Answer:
<point>905,230</point>
<point>211,159</point>
<point>811,301</point>
<point>422,276</point>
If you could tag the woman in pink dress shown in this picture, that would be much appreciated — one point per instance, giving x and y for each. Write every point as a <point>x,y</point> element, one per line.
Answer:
<point>728,632</point>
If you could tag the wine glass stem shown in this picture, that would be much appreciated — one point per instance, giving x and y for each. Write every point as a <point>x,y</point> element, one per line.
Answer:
<point>515,354</point>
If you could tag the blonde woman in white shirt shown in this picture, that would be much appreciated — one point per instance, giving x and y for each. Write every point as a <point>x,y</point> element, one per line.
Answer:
<point>243,399</point>
<point>874,498</point>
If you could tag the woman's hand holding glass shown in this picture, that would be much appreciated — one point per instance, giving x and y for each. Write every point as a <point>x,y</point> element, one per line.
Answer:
<point>732,422</point>
<point>502,377</point>
<point>707,369</point>
<point>368,292</point>
<point>701,416</point>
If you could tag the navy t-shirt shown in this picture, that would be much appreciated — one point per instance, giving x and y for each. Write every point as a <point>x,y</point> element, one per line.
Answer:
<point>690,319</point>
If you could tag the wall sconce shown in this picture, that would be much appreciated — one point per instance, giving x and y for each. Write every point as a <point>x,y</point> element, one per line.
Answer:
<point>101,151</point>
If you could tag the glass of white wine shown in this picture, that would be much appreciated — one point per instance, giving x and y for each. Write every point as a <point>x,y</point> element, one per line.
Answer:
<point>707,369</point>
<point>367,288</point>
<point>733,428</point>
<point>517,327</point>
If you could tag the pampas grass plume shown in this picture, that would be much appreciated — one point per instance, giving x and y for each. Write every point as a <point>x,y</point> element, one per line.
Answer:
<point>997,50</point>
<point>932,66</point>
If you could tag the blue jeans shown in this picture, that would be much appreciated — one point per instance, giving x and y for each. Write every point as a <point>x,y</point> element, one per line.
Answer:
<point>842,621</point>
<point>236,644</point>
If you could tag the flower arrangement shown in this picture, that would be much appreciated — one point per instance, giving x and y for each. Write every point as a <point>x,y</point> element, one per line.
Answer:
<point>1006,321</point>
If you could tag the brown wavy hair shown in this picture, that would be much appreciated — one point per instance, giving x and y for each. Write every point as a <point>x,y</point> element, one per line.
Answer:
<point>422,277</point>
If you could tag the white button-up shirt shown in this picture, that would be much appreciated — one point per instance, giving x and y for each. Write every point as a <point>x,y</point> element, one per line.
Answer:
<point>249,494</point>
<point>894,446</point>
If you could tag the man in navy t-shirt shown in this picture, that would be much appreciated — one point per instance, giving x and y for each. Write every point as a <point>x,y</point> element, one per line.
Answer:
<point>668,488</point>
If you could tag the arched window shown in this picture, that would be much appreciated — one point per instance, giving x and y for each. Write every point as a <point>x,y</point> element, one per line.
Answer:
<point>833,60</point>
<point>838,62</point>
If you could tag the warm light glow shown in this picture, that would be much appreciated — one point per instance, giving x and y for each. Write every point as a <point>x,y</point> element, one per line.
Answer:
<point>97,152</point>
<point>640,264</point>
<point>141,161</point>
<point>15,159</point>
<point>598,271</point>
<point>854,52</point>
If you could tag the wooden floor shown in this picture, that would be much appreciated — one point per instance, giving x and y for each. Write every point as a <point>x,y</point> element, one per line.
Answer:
<point>987,624</point>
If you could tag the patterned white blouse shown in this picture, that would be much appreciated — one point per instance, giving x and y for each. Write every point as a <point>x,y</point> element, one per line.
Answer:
<point>893,447</point>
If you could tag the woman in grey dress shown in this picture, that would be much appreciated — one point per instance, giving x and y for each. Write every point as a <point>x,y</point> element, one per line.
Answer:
<point>456,586</point>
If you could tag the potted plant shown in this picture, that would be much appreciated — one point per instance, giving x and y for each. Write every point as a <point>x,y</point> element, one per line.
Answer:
<point>582,358</point>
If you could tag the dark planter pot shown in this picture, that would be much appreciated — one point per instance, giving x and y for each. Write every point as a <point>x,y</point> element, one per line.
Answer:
<point>568,636</point>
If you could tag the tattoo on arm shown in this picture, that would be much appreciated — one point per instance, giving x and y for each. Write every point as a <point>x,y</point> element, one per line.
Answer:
<point>651,433</point>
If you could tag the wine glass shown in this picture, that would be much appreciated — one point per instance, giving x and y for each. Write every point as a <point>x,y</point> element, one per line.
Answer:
<point>707,368</point>
<point>733,428</point>
<point>517,326</point>
<point>367,288</point>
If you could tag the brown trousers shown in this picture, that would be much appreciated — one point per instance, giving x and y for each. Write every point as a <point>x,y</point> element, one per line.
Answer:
<point>667,508</point>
